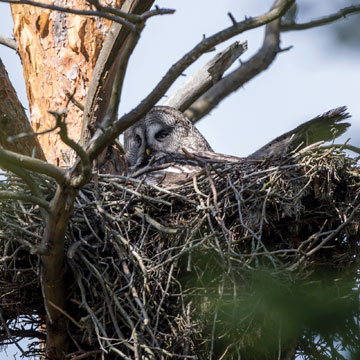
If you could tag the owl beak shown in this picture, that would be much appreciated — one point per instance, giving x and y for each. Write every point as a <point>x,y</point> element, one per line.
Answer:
<point>148,151</point>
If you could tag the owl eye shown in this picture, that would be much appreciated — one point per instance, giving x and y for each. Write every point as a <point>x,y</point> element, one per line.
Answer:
<point>161,135</point>
<point>138,140</point>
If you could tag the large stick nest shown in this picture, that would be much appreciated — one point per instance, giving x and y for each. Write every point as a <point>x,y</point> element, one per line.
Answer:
<point>145,263</point>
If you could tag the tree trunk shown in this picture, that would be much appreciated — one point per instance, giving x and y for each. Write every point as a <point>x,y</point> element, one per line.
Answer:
<point>14,121</point>
<point>58,53</point>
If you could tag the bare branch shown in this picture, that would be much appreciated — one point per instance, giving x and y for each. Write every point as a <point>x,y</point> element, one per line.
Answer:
<point>10,195</point>
<point>157,11</point>
<point>10,43</point>
<point>85,160</point>
<point>247,71</point>
<point>74,101</point>
<point>3,323</point>
<point>29,181</point>
<point>178,68</point>
<point>32,164</point>
<point>205,78</point>
<point>101,84</point>
<point>115,96</point>
<point>131,17</point>
<point>289,26</point>
<point>119,19</point>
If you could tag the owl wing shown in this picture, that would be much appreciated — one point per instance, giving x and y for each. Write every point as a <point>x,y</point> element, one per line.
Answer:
<point>325,127</point>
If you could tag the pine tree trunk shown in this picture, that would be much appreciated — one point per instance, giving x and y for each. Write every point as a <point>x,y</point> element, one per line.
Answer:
<point>58,53</point>
<point>13,121</point>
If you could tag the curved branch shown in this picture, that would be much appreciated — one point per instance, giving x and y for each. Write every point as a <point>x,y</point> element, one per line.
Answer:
<point>80,152</point>
<point>10,195</point>
<point>101,83</point>
<point>29,181</point>
<point>32,164</point>
<point>203,79</point>
<point>10,43</point>
<point>99,143</point>
<point>118,18</point>
<point>131,17</point>
<point>289,26</point>
<point>247,71</point>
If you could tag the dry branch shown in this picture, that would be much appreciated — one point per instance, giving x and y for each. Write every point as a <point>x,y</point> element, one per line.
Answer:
<point>101,84</point>
<point>290,26</point>
<point>198,83</point>
<point>119,18</point>
<point>246,72</point>
<point>10,43</point>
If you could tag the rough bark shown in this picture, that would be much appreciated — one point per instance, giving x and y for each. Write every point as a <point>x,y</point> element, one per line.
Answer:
<point>13,120</point>
<point>58,54</point>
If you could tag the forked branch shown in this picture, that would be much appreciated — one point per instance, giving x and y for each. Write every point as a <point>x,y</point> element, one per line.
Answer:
<point>198,83</point>
<point>289,26</point>
<point>95,148</point>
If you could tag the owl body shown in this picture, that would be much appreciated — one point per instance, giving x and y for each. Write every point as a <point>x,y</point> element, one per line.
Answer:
<point>167,149</point>
<point>159,142</point>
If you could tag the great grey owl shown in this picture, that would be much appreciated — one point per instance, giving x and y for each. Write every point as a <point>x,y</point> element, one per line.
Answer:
<point>160,145</point>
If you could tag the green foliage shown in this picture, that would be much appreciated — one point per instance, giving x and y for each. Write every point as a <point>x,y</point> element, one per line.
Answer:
<point>266,313</point>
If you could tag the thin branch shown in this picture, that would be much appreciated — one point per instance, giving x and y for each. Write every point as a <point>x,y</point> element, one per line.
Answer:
<point>85,160</point>
<point>4,325</point>
<point>101,83</point>
<point>95,147</point>
<point>26,178</point>
<point>132,18</point>
<point>197,84</point>
<point>74,101</point>
<point>148,14</point>
<point>246,72</point>
<point>115,96</point>
<point>30,182</point>
<point>22,135</point>
<point>10,195</point>
<point>104,15</point>
<point>10,43</point>
<point>32,164</point>
<point>289,26</point>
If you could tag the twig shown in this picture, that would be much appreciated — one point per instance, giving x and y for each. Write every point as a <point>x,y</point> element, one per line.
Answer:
<point>290,26</point>
<point>30,182</point>
<point>156,224</point>
<point>10,43</point>
<point>74,101</point>
<point>29,163</point>
<point>85,174</point>
<point>30,133</point>
<point>102,14</point>
<point>67,315</point>
<point>130,17</point>
<point>9,195</point>
<point>9,334</point>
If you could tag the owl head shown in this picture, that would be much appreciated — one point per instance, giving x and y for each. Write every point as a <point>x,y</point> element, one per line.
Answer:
<point>162,132</point>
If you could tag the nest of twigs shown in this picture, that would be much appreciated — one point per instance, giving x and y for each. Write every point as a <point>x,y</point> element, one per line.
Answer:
<point>146,266</point>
